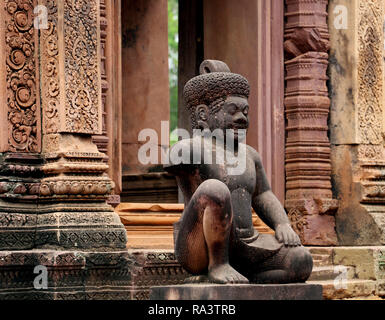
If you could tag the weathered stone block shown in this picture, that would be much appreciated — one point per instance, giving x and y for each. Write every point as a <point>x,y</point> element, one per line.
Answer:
<point>368,261</point>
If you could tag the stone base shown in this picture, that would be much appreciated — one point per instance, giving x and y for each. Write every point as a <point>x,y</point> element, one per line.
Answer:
<point>154,268</point>
<point>358,272</point>
<point>301,291</point>
<point>71,275</point>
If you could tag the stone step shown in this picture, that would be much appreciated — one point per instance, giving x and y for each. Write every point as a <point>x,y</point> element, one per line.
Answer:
<point>331,272</point>
<point>350,289</point>
<point>320,260</point>
<point>321,250</point>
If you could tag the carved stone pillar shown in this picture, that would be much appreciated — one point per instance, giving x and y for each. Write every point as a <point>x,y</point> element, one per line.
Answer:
<point>75,186</point>
<point>357,121</point>
<point>53,180</point>
<point>20,133</point>
<point>309,200</point>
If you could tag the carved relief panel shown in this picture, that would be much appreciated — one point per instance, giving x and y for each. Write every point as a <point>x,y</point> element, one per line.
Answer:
<point>72,78</point>
<point>20,111</point>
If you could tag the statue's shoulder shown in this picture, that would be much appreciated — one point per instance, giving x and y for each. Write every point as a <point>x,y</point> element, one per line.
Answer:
<point>254,154</point>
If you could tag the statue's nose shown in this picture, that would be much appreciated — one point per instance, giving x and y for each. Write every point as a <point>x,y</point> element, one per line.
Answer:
<point>241,119</point>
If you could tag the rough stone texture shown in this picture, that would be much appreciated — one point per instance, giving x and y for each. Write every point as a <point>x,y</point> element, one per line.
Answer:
<point>238,292</point>
<point>309,199</point>
<point>356,123</point>
<point>349,272</point>
<point>369,262</point>
<point>354,288</point>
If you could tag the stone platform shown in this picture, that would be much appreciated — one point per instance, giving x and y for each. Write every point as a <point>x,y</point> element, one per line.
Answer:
<point>70,275</point>
<point>301,291</point>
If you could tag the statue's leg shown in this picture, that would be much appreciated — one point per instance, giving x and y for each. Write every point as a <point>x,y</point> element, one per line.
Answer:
<point>289,265</point>
<point>202,244</point>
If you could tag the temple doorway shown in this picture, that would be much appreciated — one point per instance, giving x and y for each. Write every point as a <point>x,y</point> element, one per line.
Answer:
<point>137,77</point>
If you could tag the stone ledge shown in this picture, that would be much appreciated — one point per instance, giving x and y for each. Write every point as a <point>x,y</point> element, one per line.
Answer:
<point>301,291</point>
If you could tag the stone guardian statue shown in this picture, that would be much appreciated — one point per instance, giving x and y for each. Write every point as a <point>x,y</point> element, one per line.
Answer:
<point>215,239</point>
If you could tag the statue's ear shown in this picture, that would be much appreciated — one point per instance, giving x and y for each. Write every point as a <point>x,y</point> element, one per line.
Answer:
<point>202,115</point>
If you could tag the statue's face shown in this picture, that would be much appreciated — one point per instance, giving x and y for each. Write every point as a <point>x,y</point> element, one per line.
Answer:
<point>234,115</point>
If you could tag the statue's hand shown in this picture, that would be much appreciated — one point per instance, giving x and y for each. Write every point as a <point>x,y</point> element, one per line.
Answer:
<point>284,233</point>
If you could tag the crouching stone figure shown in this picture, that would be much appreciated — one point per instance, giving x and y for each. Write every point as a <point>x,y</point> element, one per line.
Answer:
<point>215,239</point>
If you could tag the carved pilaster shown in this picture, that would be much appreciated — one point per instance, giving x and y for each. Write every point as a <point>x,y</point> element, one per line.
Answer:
<point>357,122</point>
<point>20,111</point>
<point>102,140</point>
<point>20,125</point>
<point>309,200</point>
<point>53,194</point>
<point>75,187</point>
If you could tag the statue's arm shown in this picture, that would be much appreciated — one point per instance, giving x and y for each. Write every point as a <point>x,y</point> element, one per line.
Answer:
<point>270,210</point>
<point>264,202</point>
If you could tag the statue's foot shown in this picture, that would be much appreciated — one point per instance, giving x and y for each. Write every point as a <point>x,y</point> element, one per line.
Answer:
<point>224,273</point>
<point>197,279</point>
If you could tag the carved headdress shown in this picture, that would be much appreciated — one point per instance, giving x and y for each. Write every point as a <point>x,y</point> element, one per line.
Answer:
<point>212,86</point>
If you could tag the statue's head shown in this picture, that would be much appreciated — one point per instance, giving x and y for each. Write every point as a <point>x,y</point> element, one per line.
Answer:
<point>217,98</point>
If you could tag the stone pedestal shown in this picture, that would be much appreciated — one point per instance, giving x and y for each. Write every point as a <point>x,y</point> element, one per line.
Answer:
<point>300,291</point>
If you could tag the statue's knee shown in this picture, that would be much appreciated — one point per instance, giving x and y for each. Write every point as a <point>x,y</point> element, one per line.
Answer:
<point>300,263</point>
<point>215,190</point>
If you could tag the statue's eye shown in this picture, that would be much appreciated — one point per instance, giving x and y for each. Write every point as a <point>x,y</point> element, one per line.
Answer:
<point>232,109</point>
<point>246,110</point>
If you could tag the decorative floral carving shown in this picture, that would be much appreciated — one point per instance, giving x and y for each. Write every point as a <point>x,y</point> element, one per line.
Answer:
<point>370,71</point>
<point>82,74</point>
<point>298,222</point>
<point>23,108</point>
<point>370,152</point>
<point>76,187</point>
<point>50,69</point>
